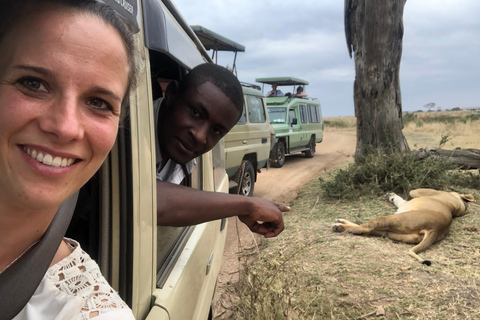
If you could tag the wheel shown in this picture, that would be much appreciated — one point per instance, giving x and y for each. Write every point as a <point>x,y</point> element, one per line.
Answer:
<point>247,181</point>
<point>311,148</point>
<point>278,155</point>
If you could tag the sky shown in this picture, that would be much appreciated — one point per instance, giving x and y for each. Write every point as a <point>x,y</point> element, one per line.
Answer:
<point>306,39</point>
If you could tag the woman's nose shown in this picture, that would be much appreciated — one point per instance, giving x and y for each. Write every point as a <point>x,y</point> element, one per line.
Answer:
<point>63,119</point>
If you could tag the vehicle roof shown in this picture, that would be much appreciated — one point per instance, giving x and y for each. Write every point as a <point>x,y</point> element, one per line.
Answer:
<point>282,81</point>
<point>289,101</point>
<point>213,41</point>
<point>253,91</point>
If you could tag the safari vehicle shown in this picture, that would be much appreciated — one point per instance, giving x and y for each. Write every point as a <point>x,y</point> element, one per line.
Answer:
<point>248,144</point>
<point>297,121</point>
<point>160,272</point>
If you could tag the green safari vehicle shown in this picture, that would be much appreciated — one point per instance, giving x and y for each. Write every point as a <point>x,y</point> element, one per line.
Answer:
<point>296,120</point>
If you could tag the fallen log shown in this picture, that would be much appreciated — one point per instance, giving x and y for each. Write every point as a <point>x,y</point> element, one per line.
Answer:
<point>465,158</point>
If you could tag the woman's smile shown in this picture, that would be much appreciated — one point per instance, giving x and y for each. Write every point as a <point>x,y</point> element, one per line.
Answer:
<point>47,159</point>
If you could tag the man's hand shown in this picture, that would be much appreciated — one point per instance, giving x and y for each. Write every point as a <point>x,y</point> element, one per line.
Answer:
<point>265,218</point>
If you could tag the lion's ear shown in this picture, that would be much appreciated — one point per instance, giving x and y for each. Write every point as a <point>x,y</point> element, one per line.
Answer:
<point>467,197</point>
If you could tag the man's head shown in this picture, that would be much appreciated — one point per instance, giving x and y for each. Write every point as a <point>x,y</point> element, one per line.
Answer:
<point>198,111</point>
<point>274,86</point>
<point>299,89</point>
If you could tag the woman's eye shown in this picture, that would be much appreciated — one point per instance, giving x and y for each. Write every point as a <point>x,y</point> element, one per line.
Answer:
<point>100,104</point>
<point>33,84</point>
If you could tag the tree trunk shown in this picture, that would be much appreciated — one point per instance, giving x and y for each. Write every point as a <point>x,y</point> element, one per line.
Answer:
<point>463,158</point>
<point>374,32</point>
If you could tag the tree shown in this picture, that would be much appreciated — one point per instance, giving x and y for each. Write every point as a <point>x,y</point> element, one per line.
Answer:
<point>374,32</point>
<point>429,106</point>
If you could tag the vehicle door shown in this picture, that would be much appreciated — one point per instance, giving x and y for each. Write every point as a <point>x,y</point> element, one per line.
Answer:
<point>250,136</point>
<point>305,129</point>
<point>160,272</point>
<point>315,122</point>
<point>294,127</point>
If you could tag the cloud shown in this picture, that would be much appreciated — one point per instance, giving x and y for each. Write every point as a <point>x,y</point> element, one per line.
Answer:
<point>306,40</point>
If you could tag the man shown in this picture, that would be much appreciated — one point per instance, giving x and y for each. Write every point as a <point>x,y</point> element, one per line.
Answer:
<point>300,93</point>
<point>194,115</point>
<point>274,92</point>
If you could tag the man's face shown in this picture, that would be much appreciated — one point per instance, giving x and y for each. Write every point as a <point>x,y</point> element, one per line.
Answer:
<point>274,86</point>
<point>196,121</point>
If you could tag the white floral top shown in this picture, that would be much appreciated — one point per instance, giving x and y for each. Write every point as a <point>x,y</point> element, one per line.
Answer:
<point>74,288</point>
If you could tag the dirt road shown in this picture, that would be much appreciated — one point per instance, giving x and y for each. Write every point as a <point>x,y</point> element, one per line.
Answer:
<point>280,185</point>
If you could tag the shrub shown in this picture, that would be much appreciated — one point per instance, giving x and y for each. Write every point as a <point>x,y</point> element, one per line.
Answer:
<point>408,117</point>
<point>378,173</point>
<point>442,119</point>
<point>336,123</point>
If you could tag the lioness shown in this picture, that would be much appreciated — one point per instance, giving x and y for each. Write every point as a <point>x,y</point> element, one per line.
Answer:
<point>423,220</point>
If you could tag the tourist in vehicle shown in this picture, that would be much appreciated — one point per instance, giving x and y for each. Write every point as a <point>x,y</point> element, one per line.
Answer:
<point>194,115</point>
<point>275,92</point>
<point>66,68</point>
<point>300,93</point>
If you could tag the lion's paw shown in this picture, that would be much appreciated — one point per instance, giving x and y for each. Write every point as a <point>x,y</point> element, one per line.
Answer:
<point>338,228</point>
<point>389,197</point>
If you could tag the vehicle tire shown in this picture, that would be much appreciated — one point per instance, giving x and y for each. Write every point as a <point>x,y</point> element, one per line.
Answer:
<point>245,183</point>
<point>311,148</point>
<point>278,155</point>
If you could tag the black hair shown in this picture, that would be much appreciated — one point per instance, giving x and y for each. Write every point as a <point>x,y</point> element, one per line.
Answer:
<point>300,89</point>
<point>13,11</point>
<point>219,76</point>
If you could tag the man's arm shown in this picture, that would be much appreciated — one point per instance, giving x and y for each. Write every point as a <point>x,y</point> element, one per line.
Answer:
<point>183,206</point>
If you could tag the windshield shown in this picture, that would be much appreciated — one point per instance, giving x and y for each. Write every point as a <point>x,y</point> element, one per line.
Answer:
<point>277,114</point>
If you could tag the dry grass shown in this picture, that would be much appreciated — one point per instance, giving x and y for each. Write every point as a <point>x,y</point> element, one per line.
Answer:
<point>421,133</point>
<point>310,272</point>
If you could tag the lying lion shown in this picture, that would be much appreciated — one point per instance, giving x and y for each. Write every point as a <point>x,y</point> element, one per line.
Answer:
<point>423,220</point>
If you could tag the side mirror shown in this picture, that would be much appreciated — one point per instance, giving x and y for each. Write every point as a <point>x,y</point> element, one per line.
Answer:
<point>294,121</point>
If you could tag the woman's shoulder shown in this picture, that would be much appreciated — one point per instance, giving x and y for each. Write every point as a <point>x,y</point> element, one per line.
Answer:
<point>79,276</point>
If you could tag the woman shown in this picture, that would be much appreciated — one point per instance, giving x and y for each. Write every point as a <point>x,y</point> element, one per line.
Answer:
<point>65,70</point>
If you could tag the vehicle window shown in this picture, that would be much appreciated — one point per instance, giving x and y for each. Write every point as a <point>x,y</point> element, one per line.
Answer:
<point>313,112</point>
<point>303,113</point>
<point>170,240</point>
<point>277,114</point>
<point>291,116</point>
<point>243,118</point>
<point>256,112</point>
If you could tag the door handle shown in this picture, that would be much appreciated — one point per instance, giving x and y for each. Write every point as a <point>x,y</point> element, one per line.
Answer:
<point>209,263</point>
<point>244,141</point>
<point>264,140</point>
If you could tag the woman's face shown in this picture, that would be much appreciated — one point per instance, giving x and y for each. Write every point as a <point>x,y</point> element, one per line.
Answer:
<point>62,77</point>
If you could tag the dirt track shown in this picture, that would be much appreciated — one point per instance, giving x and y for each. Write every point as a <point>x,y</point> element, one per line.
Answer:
<point>280,185</point>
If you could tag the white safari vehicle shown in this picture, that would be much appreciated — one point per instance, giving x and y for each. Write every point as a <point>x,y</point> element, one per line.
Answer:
<point>248,144</point>
<point>161,272</point>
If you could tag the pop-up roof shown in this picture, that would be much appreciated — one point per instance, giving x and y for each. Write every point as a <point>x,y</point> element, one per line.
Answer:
<point>213,41</point>
<point>282,81</point>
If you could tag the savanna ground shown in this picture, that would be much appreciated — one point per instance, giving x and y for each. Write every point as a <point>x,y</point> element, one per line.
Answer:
<point>310,272</point>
